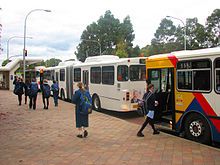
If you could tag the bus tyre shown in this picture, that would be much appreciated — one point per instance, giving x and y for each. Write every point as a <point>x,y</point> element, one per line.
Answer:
<point>96,103</point>
<point>197,129</point>
<point>62,95</point>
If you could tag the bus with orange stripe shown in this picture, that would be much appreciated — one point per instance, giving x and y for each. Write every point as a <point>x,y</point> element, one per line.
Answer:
<point>187,87</point>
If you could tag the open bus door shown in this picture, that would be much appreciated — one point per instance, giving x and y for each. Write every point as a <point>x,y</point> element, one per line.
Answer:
<point>163,80</point>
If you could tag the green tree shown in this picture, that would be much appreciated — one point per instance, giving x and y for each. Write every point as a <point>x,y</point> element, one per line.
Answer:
<point>166,38</point>
<point>52,62</point>
<point>196,35</point>
<point>213,29</point>
<point>5,62</point>
<point>121,50</point>
<point>107,33</point>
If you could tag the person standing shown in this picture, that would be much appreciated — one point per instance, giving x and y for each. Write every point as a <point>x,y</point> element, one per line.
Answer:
<point>151,104</point>
<point>82,120</point>
<point>55,90</point>
<point>19,89</point>
<point>33,90</point>
<point>45,88</point>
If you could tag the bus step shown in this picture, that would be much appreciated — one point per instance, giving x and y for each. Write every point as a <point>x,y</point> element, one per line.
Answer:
<point>167,128</point>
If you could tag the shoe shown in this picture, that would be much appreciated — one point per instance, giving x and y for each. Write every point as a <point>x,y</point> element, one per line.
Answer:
<point>79,136</point>
<point>85,133</point>
<point>140,134</point>
<point>156,132</point>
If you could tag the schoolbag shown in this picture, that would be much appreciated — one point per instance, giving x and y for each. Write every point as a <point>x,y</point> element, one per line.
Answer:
<point>17,89</point>
<point>85,103</point>
<point>55,88</point>
<point>33,89</point>
<point>142,109</point>
<point>46,91</point>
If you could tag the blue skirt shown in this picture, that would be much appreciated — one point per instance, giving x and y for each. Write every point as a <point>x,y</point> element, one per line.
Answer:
<point>150,114</point>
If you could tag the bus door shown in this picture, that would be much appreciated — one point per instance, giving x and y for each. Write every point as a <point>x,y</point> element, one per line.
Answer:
<point>86,79</point>
<point>163,80</point>
<point>57,78</point>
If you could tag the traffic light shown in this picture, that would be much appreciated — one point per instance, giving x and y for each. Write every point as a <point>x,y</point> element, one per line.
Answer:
<point>25,52</point>
<point>41,76</point>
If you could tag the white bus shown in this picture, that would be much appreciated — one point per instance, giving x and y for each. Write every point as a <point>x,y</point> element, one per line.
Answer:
<point>62,74</point>
<point>114,83</point>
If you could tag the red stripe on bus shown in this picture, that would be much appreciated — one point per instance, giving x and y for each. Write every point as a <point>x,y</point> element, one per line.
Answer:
<point>204,104</point>
<point>173,59</point>
<point>216,123</point>
<point>207,109</point>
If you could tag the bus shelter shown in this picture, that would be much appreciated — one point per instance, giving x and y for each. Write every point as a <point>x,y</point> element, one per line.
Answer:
<point>8,72</point>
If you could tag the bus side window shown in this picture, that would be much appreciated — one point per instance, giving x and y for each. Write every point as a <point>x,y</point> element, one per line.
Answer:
<point>217,75</point>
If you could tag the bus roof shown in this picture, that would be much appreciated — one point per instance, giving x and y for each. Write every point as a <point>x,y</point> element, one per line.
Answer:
<point>187,54</point>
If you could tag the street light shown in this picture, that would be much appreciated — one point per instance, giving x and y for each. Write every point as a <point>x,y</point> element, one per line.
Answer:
<point>184,29</point>
<point>24,50</point>
<point>8,43</point>
<point>100,48</point>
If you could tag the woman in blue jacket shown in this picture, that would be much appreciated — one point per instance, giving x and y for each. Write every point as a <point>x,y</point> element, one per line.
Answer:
<point>19,88</point>
<point>82,120</point>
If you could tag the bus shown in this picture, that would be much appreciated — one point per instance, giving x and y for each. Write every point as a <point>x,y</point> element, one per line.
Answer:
<point>187,86</point>
<point>62,74</point>
<point>114,83</point>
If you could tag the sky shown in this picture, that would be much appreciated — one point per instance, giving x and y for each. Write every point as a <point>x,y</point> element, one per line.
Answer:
<point>56,34</point>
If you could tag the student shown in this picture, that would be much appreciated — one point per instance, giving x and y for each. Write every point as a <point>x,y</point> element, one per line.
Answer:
<point>45,88</point>
<point>33,90</point>
<point>81,119</point>
<point>55,90</point>
<point>19,88</point>
<point>151,106</point>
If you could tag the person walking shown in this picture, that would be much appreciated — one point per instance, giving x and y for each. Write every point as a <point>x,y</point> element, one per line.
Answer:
<point>151,103</point>
<point>19,88</point>
<point>82,120</point>
<point>55,90</point>
<point>45,88</point>
<point>32,92</point>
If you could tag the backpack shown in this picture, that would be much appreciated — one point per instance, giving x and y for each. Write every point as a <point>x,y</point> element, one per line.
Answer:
<point>142,109</point>
<point>46,91</point>
<point>33,89</point>
<point>55,87</point>
<point>85,103</point>
<point>18,89</point>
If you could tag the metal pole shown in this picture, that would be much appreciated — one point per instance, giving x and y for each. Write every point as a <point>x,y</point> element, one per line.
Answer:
<point>11,39</point>
<point>24,50</point>
<point>184,29</point>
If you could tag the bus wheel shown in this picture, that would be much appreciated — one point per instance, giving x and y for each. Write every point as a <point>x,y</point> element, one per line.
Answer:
<point>197,129</point>
<point>62,95</point>
<point>96,103</point>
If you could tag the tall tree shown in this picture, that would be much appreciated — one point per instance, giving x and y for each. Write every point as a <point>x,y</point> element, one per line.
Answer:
<point>213,28</point>
<point>196,35</point>
<point>166,38</point>
<point>107,35</point>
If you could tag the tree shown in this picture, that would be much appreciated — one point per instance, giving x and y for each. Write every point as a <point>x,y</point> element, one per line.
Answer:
<point>196,35</point>
<point>166,38</point>
<point>5,62</point>
<point>52,62</point>
<point>108,33</point>
<point>213,29</point>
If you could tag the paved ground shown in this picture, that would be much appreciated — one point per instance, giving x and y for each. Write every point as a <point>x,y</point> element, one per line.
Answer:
<point>48,137</point>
